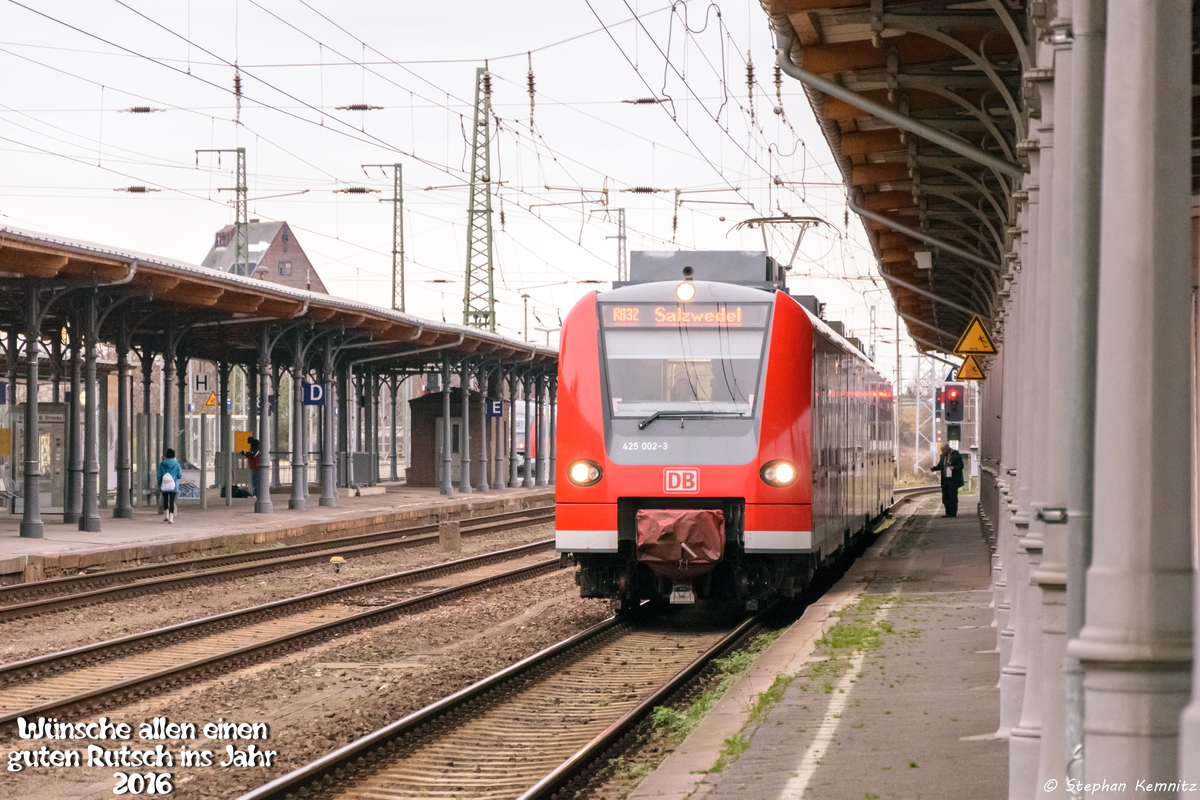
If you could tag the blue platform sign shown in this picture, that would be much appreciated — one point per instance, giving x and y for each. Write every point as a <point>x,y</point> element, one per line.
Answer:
<point>495,407</point>
<point>3,394</point>
<point>314,394</point>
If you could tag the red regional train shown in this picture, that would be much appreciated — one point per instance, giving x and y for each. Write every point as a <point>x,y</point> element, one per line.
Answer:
<point>716,438</point>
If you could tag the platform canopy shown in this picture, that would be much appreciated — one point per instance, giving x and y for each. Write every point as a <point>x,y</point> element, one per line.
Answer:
<point>924,105</point>
<point>222,314</point>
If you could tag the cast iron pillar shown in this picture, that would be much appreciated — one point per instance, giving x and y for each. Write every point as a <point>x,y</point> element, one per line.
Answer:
<point>277,392</point>
<point>73,500</point>
<point>262,504</point>
<point>299,456</point>
<point>124,507</point>
<point>89,520</point>
<point>343,425</point>
<point>1136,645</point>
<point>328,443</point>
<point>529,480</point>
<point>498,481</point>
<point>147,447</point>
<point>553,428</point>
<point>226,437</point>
<point>541,478</point>
<point>1057,457</point>
<point>1025,742</point>
<point>393,387</point>
<point>1088,28</point>
<point>250,375</point>
<point>464,411</point>
<point>447,430</point>
<point>484,455</point>
<point>514,479</point>
<point>31,514</point>
<point>181,404</point>
<point>168,397</point>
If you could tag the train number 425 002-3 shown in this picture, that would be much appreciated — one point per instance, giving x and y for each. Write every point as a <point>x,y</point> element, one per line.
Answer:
<point>644,446</point>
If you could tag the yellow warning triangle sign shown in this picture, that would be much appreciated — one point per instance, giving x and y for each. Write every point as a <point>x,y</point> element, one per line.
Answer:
<point>212,399</point>
<point>970,370</point>
<point>975,340</point>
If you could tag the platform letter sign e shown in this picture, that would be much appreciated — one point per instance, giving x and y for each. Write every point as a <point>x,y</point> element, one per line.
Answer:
<point>681,480</point>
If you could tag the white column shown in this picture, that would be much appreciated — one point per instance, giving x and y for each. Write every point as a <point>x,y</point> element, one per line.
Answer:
<point>1136,645</point>
<point>1025,744</point>
<point>1016,521</point>
<point>1005,406</point>
<point>1051,574</point>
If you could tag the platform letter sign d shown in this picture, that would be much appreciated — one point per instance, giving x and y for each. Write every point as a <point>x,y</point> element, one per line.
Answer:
<point>314,394</point>
<point>681,480</point>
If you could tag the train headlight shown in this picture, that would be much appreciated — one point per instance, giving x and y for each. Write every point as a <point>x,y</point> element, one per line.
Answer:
<point>584,473</point>
<point>779,473</point>
<point>685,291</point>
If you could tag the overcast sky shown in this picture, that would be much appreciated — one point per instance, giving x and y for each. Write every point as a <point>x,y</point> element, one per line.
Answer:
<point>68,141</point>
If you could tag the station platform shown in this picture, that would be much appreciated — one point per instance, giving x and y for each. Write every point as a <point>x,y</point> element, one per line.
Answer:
<point>886,687</point>
<point>219,529</point>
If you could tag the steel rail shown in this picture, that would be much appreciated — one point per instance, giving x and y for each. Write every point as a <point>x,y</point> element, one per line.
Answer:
<point>576,765</point>
<point>912,491</point>
<point>573,768</point>
<point>135,581</point>
<point>367,753</point>
<point>43,666</point>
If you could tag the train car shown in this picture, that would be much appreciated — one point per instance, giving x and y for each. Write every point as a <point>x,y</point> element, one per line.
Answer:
<point>716,438</point>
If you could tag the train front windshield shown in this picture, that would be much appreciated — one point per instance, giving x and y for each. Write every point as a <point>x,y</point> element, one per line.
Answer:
<point>696,358</point>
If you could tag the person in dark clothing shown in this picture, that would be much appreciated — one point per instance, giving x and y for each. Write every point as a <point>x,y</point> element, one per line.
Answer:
<point>252,455</point>
<point>951,467</point>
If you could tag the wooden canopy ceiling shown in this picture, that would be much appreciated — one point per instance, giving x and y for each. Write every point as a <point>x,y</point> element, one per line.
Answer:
<point>962,68</point>
<point>220,315</point>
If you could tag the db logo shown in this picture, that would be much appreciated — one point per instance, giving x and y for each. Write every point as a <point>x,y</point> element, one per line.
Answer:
<point>681,480</point>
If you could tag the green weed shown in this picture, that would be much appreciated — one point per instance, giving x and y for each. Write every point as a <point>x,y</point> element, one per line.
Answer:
<point>734,746</point>
<point>768,699</point>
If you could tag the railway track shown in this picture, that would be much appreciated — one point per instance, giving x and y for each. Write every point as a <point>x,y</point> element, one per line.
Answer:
<point>57,594</point>
<point>121,670</point>
<point>529,730</point>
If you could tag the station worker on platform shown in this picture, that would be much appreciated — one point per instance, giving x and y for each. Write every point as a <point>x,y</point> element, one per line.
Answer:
<point>170,475</point>
<point>252,455</point>
<point>951,467</point>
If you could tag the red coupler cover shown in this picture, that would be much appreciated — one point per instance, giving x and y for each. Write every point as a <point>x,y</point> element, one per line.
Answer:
<point>679,544</point>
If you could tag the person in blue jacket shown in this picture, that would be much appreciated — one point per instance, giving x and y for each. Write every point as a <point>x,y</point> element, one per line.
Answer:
<point>170,475</point>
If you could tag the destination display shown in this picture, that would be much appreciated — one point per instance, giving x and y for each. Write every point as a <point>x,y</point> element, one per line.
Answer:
<point>691,315</point>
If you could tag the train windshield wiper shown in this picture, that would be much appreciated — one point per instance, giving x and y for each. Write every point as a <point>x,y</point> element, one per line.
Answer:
<point>687,415</point>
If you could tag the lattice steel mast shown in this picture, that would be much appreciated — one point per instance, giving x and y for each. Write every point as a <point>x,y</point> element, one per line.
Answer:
<point>241,232</point>
<point>397,200</point>
<point>479,295</point>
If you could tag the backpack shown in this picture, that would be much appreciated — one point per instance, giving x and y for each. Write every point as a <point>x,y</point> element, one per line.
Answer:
<point>168,482</point>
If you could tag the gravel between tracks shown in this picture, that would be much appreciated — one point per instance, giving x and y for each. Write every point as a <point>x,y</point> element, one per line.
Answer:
<point>326,696</point>
<point>49,633</point>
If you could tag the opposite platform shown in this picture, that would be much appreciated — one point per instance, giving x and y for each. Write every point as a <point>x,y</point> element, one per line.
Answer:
<point>218,529</point>
<point>885,688</point>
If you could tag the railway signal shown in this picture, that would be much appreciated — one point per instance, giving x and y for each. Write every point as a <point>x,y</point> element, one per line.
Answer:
<point>953,402</point>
